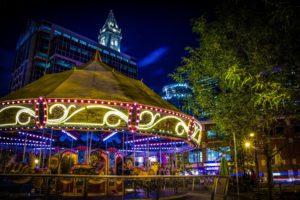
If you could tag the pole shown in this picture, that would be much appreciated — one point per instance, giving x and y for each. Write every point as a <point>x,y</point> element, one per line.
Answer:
<point>236,167</point>
<point>148,156</point>
<point>50,153</point>
<point>123,159</point>
<point>90,148</point>
<point>40,158</point>
<point>24,150</point>
<point>133,150</point>
<point>256,161</point>
<point>87,148</point>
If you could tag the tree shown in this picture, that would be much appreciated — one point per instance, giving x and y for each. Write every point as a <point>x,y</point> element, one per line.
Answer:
<point>249,50</point>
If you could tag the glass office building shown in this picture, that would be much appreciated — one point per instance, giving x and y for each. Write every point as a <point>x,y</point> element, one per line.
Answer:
<point>45,47</point>
<point>177,94</point>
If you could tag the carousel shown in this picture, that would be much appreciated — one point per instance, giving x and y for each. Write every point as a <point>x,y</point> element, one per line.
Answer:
<point>92,120</point>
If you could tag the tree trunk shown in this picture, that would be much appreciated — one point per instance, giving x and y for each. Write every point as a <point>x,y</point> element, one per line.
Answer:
<point>268,154</point>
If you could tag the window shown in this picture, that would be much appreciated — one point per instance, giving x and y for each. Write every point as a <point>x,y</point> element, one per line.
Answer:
<point>82,42</point>
<point>211,134</point>
<point>195,156</point>
<point>103,41</point>
<point>216,154</point>
<point>74,39</point>
<point>66,35</point>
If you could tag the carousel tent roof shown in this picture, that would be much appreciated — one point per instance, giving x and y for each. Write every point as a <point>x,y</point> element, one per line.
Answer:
<point>92,80</point>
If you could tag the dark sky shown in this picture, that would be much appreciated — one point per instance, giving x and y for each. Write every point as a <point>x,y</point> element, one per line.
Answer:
<point>154,32</point>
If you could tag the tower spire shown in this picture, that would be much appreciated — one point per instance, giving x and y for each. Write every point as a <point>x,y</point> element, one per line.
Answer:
<point>110,34</point>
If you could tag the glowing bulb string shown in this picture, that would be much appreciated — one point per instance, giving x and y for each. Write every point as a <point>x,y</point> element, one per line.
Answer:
<point>21,140</point>
<point>35,136</point>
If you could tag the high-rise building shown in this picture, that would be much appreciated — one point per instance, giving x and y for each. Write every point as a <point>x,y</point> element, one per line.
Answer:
<point>44,47</point>
<point>177,94</point>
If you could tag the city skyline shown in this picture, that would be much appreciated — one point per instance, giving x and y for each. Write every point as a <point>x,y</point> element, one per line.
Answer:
<point>149,38</point>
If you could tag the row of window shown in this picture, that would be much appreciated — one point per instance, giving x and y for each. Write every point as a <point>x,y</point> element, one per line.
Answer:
<point>66,37</point>
<point>211,155</point>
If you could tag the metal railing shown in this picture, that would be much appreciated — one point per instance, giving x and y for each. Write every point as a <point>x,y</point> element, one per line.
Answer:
<point>52,186</point>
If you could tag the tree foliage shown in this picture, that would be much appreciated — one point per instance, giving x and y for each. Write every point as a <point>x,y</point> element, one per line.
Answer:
<point>250,51</point>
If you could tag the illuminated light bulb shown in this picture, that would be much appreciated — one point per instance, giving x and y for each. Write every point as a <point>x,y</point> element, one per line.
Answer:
<point>247,144</point>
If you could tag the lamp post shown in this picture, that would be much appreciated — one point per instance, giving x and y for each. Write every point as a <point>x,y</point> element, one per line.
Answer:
<point>236,167</point>
<point>254,136</point>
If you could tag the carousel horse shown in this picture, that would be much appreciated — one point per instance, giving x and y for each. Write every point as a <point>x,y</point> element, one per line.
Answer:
<point>146,183</point>
<point>13,167</point>
<point>142,172</point>
<point>54,163</point>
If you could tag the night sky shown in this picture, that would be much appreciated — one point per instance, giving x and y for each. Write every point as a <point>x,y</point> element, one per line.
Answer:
<point>154,33</point>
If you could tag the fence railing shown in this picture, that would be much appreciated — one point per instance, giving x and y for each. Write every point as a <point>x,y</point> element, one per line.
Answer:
<point>52,186</point>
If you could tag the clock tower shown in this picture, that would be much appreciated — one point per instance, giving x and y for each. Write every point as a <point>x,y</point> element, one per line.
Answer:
<point>110,34</point>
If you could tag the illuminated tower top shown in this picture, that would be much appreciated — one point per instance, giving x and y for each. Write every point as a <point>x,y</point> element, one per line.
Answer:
<point>110,34</point>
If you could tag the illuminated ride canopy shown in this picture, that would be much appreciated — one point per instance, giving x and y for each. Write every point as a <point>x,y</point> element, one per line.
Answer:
<point>95,98</point>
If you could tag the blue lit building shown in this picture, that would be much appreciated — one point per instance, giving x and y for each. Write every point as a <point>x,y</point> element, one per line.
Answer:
<point>44,47</point>
<point>177,94</point>
<point>206,159</point>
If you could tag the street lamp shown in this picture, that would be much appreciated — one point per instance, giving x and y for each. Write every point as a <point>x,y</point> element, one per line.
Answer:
<point>247,144</point>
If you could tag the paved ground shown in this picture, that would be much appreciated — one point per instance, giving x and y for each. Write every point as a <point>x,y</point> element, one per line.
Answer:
<point>197,196</point>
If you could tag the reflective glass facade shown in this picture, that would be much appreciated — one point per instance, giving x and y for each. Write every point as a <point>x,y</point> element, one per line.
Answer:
<point>44,47</point>
<point>216,154</point>
<point>177,94</point>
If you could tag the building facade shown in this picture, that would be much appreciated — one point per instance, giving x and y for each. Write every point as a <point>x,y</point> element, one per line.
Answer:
<point>206,158</point>
<point>44,47</point>
<point>177,94</point>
